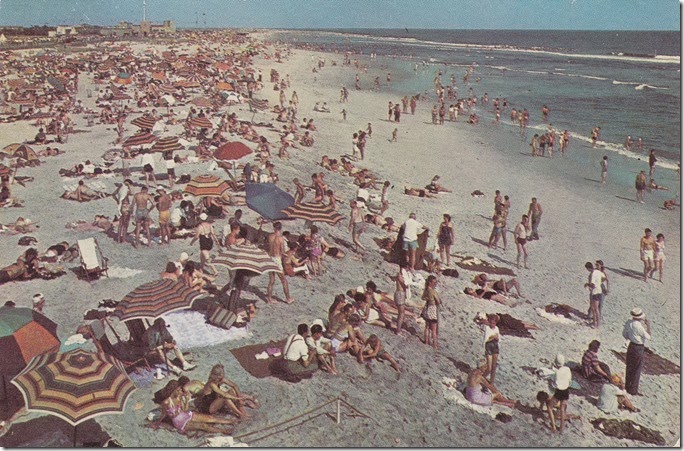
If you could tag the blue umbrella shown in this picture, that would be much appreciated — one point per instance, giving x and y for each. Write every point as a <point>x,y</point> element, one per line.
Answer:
<point>268,200</point>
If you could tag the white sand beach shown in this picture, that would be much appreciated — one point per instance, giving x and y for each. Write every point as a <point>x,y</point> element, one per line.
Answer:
<point>582,221</point>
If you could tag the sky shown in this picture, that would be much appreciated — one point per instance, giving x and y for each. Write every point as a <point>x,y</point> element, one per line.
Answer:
<point>440,14</point>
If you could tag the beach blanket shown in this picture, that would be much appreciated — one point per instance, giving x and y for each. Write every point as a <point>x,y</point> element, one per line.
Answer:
<point>191,330</point>
<point>257,367</point>
<point>452,393</point>
<point>653,363</point>
<point>116,272</point>
<point>628,429</point>
<point>553,317</point>
<point>512,326</point>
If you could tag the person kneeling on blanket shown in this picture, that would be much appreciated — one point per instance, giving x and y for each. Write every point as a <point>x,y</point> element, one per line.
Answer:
<point>297,360</point>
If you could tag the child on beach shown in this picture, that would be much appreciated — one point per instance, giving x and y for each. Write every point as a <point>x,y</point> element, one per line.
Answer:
<point>393,139</point>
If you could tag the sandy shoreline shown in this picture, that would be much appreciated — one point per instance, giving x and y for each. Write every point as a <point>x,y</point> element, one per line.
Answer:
<point>582,222</point>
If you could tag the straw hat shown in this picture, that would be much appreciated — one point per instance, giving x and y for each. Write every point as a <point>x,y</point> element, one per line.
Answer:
<point>637,313</point>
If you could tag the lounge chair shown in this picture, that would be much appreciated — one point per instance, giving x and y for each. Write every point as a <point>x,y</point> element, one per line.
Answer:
<point>130,355</point>
<point>93,263</point>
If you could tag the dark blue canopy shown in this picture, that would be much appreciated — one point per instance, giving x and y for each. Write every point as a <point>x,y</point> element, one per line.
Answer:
<point>268,200</point>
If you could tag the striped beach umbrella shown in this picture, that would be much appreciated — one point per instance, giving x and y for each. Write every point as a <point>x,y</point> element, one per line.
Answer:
<point>314,212</point>
<point>256,104</point>
<point>144,122</point>
<point>249,257</point>
<point>201,102</point>
<point>24,334</point>
<point>19,150</point>
<point>166,144</point>
<point>200,122</point>
<point>167,89</point>
<point>75,386</point>
<point>206,185</point>
<point>232,151</point>
<point>155,299</point>
<point>140,139</point>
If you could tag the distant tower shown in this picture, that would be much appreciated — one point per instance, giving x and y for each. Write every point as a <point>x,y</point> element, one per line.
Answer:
<point>144,10</point>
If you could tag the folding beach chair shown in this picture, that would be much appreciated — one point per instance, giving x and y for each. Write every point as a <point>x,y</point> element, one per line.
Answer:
<point>93,263</point>
<point>130,355</point>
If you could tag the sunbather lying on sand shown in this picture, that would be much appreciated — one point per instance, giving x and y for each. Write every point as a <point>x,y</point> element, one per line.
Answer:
<point>435,187</point>
<point>418,192</point>
<point>500,285</point>
<point>384,223</point>
<point>83,193</point>
<point>490,295</point>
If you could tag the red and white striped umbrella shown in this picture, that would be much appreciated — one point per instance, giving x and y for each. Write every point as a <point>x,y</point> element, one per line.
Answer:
<point>247,257</point>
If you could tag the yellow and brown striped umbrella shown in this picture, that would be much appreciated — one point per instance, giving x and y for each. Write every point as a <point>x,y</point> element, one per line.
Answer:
<point>75,386</point>
<point>206,185</point>
<point>166,144</point>
<point>154,299</point>
<point>19,150</point>
<point>314,212</point>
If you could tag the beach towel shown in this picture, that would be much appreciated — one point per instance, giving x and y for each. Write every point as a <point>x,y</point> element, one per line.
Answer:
<point>190,330</point>
<point>452,393</point>
<point>223,442</point>
<point>475,264</point>
<point>653,363</point>
<point>259,368</point>
<point>553,317</point>
<point>628,429</point>
<point>123,273</point>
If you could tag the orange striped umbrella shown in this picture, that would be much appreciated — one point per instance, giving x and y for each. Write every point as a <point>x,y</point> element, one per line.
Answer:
<point>140,139</point>
<point>200,122</point>
<point>166,144</point>
<point>206,185</point>
<point>313,212</point>
<point>75,386</point>
<point>155,299</point>
<point>144,122</point>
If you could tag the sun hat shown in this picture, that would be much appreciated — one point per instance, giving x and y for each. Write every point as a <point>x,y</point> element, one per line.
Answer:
<point>38,298</point>
<point>203,216</point>
<point>360,289</point>
<point>637,313</point>
<point>319,322</point>
<point>560,360</point>
<point>184,256</point>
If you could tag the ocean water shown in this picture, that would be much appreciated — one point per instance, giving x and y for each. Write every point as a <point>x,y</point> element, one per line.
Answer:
<point>627,83</point>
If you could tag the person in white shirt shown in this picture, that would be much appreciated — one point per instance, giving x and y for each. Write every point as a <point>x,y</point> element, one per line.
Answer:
<point>520,235</point>
<point>563,378</point>
<point>613,396</point>
<point>147,161</point>
<point>412,229</point>
<point>297,356</point>
<point>637,334</point>
<point>595,292</point>
<point>401,293</point>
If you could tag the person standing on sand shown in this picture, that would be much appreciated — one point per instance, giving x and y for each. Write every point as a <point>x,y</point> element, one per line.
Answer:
<point>637,334</point>
<point>206,236</point>
<point>164,204</point>
<point>430,312</point>
<point>410,241</point>
<point>647,247</point>
<point>276,249</point>
<point>604,169</point>
<point>147,161</point>
<point>520,235</point>
<point>144,203</point>
<point>384,203</point>
<point>401,293</point>
<point>535,145</point>
<point>445,238</point>
<point>535,214</point>
<point>651,162</point>
<point>595,291</point>
<point>489,327</point>
<point>563,378</point>
<point>640,185</point>
<point>356,225</point>
<point>659,257</point>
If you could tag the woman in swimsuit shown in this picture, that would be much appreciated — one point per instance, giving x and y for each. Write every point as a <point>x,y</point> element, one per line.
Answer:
<point>445,238</point>
<point>206,236</point>
<point>489,295</point>
<point>317,245</point>
<point>431,311</point>
<point>356,225</point>
<point>659,257</point>
<point>212,398</point>
<point>175,407</point>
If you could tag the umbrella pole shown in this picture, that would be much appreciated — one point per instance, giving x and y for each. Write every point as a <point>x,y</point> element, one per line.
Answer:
<point>75,429</point>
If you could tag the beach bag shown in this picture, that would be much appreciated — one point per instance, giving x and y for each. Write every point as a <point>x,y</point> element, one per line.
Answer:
<point>220,316</point>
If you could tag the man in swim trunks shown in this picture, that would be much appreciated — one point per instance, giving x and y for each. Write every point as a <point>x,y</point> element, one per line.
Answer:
<point>520,235</point>
<point>276,246</point>
<point>412,228</point>
<point>535,213</point>
<point>144,203</point>
<point>647,249</point>
<point>164,204</point>
<point>640,185</point>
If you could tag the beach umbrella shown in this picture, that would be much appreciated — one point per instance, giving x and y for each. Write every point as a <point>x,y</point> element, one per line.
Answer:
<point>200,122</point>
<point>166,144</point>
<point>249,257</point>
<point>314,212</point>
<point>118,94</point>
<point>144,122</point>
<point>75,386</point>
<point>123,78</point>
<point>155,299</point>
<point>168,99</point>
<point>167,89</point>
<point>19,150</point>
<point>206,185</point>
<point>187,84</point>
<point>24,334</point>
<point>268,200</point>
<point>223,86</point>
<point>140,139</point>
<point>256,104</point>
<point>232,151</point>
<point>201,102</point>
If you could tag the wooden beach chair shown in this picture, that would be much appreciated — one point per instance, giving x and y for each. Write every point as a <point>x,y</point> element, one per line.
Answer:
<point>93,263</point>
